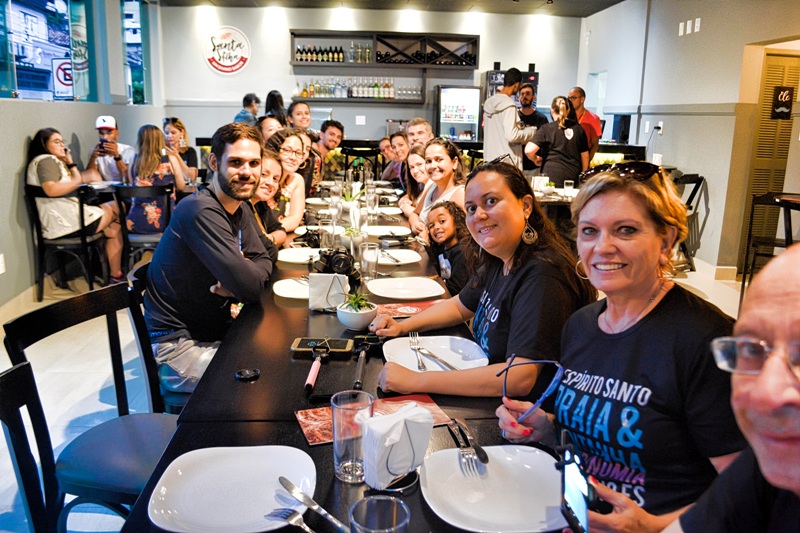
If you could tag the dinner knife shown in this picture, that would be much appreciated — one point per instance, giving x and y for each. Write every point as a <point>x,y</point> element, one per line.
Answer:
<point>431,355</point>
<point>479,451</point>
<point>306,500</point>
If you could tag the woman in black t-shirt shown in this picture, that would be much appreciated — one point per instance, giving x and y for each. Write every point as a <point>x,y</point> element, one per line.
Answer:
<point>521,290</point>
<point>641,399</point>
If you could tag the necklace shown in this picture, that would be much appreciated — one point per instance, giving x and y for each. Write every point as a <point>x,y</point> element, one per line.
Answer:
<point>638,315</point>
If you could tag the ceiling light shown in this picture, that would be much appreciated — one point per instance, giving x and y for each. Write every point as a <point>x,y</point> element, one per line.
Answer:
<point>549,1</point>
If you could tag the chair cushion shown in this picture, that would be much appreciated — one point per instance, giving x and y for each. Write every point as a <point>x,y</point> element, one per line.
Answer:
<point>114,460</point>
<point>144,238</point>
<point>72,241</point>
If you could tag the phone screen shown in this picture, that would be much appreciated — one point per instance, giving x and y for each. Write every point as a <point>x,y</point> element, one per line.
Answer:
<point>303,344</point>
<point>575,494</point>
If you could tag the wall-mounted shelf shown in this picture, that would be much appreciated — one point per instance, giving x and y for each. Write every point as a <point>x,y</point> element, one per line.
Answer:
<point>391,49</point>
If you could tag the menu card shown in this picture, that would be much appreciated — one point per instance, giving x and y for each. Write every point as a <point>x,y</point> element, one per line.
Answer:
<point>317,425</point>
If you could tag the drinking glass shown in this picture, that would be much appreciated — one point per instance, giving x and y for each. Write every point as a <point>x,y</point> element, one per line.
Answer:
<point>372,203</point>
<point>569,187</point>
<point>369,253</point>
<point>358,217</point>
<point>336,193</point>
<point>349,409</point>
<point>327,233</point>
<point>379,514</point>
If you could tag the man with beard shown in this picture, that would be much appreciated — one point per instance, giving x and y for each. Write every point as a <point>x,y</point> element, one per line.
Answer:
<point>419,131</point>
<point>330,137</point>
<point>209,260</point>
<point>530,116</point>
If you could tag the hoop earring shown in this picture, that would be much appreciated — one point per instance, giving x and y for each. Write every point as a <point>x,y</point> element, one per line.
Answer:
<point>578,269</point>
<point>529,235</point>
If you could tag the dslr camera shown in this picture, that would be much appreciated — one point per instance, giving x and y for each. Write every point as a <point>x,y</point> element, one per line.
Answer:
<point>338,261</point>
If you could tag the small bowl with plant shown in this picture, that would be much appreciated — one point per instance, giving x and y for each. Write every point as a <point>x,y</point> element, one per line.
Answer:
<point>352,236</point>
<point>357,311</point>
<point>549,188</point>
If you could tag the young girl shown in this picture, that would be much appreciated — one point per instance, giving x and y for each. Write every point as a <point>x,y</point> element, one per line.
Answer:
<point>447,227</point>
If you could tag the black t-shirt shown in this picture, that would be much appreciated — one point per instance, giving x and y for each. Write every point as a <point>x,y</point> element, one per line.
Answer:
<point>189,157</point>
<point>647,407</point>
<point>742,501</point>
<point>534,119</point>
<point>451,265</point>
<point>561,150</point>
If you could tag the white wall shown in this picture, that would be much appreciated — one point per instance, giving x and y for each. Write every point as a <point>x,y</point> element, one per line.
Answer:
<point>692,84</point>
<point>205,99</point>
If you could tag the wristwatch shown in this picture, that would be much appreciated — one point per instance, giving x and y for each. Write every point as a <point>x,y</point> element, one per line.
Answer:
<point>117,158</point>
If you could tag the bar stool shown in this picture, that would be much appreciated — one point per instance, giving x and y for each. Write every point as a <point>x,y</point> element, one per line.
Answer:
<point>764,245</point>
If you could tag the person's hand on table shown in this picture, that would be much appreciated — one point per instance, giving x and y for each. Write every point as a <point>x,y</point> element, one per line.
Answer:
<point>536,427</point>
<point>397,378</point>
<point>386,326</point>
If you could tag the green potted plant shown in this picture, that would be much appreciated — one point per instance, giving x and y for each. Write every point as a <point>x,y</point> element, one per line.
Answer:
<point>549,188</point>
<point>354,235</point>
<point>357,311</point>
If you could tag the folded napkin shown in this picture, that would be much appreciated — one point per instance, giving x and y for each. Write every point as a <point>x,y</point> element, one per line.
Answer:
<point>326,291</point>
<point>395,444</point>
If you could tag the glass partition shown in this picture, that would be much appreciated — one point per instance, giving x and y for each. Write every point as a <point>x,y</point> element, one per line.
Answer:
<point>8,78</point>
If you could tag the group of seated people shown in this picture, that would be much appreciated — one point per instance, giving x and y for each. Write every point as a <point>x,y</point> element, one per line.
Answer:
<point>641,398</point>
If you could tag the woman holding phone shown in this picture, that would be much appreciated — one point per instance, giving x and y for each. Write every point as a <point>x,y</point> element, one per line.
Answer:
<point>177,141</point>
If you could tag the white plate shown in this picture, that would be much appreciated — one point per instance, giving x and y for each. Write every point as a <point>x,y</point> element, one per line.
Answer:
<point>382,183</point>
<point>326,183</point>
<point>302,230</point>
<point>298,255</point>
<point>460,352</point>
<point>405,288</point>
<point>317,201</point>
<point>519,490</point>
<point>229,489</point>
<point>397,231</point>
<point>291,288</point>
<point>403,257</point>
<point>390,210</point>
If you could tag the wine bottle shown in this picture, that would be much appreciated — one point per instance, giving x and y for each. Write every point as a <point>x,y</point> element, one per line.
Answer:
<point>352,56</point>
<point>367,53</point>
<point>359,53</point>
<point>297,54</point>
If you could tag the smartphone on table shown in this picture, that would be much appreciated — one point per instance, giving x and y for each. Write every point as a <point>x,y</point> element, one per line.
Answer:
<point>306,344</point>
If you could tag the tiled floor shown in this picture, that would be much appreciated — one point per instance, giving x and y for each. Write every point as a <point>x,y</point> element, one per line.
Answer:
<point>74,379</point>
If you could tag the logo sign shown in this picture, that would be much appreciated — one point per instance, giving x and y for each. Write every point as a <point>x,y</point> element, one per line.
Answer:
<point>227,50</point>
<point>782,99</point>
<point>62,78</point>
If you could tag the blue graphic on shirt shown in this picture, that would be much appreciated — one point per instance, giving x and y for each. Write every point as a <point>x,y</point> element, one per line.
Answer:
<point>485,317</point>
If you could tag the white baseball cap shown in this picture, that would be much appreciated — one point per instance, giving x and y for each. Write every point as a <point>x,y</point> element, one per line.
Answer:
<point>106,122</point>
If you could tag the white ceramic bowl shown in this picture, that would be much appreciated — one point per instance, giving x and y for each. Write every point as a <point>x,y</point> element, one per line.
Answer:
<point>356,320</point>
<point>357,239</point>
<point>548,190</point>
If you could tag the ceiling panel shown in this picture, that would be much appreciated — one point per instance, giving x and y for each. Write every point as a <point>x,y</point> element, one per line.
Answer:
<point>559,8</point>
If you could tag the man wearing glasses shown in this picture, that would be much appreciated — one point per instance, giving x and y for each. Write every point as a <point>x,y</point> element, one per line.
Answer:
<point>760,491</point>
<point>588,120</point>
<point>209,260</point>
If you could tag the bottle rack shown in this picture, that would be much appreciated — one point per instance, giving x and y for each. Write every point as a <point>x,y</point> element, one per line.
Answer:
<point>403,50</point>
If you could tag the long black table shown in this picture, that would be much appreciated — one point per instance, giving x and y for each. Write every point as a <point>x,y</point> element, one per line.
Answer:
<point>225,412</point>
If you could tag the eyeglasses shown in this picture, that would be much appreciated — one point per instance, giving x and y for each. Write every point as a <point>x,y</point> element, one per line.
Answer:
<point>547,392</point>
<point>299,154</point>
<point>746,355</point>
<point>636,170</point>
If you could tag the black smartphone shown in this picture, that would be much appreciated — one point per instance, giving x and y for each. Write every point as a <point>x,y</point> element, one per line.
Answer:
<point>305,344</point>
<point>575,493</point>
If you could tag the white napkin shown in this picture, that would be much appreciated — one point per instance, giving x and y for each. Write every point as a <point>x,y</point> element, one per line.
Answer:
<point>326,291</point>
<point>395,444</point>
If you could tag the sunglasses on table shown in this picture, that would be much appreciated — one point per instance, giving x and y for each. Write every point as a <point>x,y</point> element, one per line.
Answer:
<point>635,170</point>
<point>547,392</point>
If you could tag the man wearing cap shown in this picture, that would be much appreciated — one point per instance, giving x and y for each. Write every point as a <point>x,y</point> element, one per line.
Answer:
<point>110,158</point>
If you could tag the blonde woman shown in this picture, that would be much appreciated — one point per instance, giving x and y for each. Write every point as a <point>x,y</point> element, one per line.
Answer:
<point>178,144</point>
<point>153,165</point>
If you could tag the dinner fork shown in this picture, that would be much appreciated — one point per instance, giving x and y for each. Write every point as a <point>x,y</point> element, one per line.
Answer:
<point>291,516</point>
<point>413,342</point>
<point>469,461</point>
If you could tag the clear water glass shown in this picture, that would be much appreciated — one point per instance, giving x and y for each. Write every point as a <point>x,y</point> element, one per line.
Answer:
<point>379,514</point>
<point>349,410</point>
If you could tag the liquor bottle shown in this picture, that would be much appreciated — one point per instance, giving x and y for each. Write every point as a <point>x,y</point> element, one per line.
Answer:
<point>367,53</point>
<point>391,89</point>
<point>359,53</point>
<point>311,90</point>
<point>313,54</point>
<point>341,55</point>
<point>324,55</point>
<point>304,92</point>
<point>297,54</point>
<point>379,93</point>
<point>316,88</point>
<point>352,55</point>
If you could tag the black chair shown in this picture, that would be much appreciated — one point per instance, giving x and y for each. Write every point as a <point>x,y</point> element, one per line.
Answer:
<point>475,157</point>
<point>696,181</point>
<point>88,250</point>
<point>762,246</point>
<point>173,401</point>
<point>109,464</point>
<point>370,155</point>
<point>134,245</point>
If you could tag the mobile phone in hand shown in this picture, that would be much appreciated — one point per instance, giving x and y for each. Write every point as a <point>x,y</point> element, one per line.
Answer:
<point>575,493</point>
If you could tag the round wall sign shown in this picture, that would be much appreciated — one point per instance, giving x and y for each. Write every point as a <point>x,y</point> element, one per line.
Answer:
<point>227,50</point>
